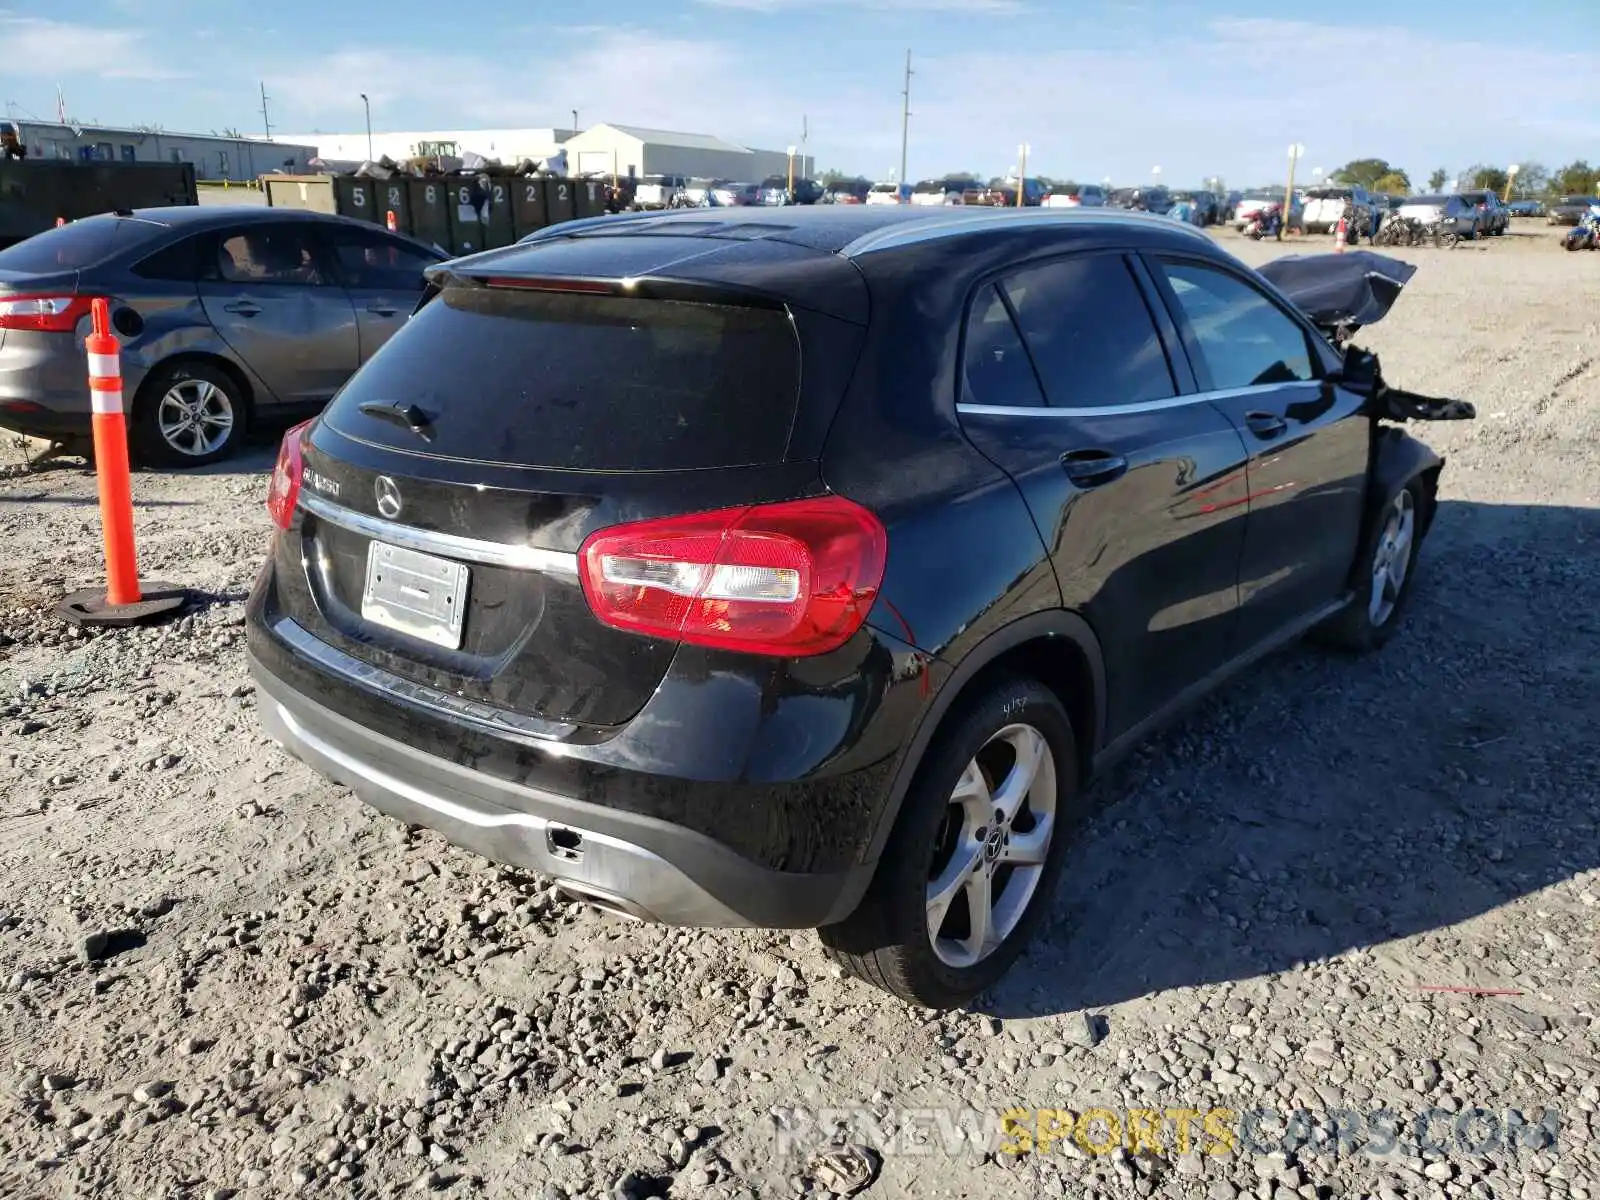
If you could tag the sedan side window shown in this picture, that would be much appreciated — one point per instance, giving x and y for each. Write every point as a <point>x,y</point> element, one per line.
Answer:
<point>995,366</point>
<point>372,260</point>
<point>1088,328</point>
<point>1245,339</point>
<point>267,254</point>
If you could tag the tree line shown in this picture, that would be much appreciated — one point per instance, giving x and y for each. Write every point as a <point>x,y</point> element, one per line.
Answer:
<point>1532,181</point>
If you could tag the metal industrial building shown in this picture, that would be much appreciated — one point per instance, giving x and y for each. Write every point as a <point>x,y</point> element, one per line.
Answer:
<point>507,145</point>
<point>631,150</point>
<point>623,149</point>
<point>213,157</point>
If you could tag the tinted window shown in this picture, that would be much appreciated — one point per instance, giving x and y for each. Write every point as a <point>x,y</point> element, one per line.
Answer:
<point>78,244</point>
<point>1245,339</point>
<point>1089,332</point>
<point>265,254</point>
<point>603,383</point>
<point>371,260</point>
<point>179,262</point>
<point>994,362</point>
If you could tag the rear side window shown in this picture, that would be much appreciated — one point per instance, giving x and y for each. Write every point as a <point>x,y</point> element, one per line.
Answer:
<point>78,244</point>
<point>369,259</point>
<point>995,365</point>
<point>585,383</point>
<point>1245,339</point>
<point>179,262</point>
<point>1090,333</point>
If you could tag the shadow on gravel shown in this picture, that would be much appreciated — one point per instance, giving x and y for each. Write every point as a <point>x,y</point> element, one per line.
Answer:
<point>1321,802</point>
<point>257,457</point>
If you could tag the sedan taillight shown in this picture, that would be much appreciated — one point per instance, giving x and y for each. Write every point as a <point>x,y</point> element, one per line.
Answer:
<point>44,314</point>
<point>789,579</point>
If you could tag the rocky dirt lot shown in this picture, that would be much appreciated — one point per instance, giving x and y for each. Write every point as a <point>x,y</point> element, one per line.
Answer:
<point>220,975</point>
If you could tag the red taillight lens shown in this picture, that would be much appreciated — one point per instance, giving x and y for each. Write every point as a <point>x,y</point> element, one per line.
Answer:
<point>789,579</point>
<point>283,493</point>
<point>44,314</point>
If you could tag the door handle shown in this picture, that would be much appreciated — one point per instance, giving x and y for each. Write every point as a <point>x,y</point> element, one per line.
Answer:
<point>382,310</point>
<point>1093,468</point>
<point>1265,425</point>
<point>242,308</point>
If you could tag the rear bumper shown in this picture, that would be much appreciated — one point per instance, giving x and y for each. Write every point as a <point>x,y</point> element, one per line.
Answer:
<point>639,865</point>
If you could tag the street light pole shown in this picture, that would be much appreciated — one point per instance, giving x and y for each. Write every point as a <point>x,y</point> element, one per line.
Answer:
<point>791,174</point>
<point>574,120</point>
<point>1296,151</point>
<point>1022,171</point>
<point>905,119</point>
<point>368,104</point>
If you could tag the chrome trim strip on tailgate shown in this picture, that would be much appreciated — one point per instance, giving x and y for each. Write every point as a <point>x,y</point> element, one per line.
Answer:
<point>498,721</point>
<point>449,545</point>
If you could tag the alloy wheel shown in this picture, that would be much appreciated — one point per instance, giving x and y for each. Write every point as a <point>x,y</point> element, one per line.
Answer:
<point>992,847</point>
<point>1392,559</point>
<point>195,417</point>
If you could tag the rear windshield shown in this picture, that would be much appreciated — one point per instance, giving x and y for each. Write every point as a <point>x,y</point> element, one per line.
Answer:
<point>77,245</point>
<point>1564,202</point>
<point>1326,193</point>
<point>583,383</point>
<point>1435,200</point>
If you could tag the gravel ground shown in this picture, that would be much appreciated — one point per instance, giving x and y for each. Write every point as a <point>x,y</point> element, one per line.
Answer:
<point>220,975</point>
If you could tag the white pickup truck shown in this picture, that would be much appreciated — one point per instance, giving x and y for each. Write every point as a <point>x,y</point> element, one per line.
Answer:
<point>658,191</point>
<point>1325,205</point>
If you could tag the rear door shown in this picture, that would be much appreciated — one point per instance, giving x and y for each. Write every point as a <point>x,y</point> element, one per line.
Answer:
<point>271,295</point>
<point>383,276</point>
<point>1308,439</point>
<point>1136,487</point>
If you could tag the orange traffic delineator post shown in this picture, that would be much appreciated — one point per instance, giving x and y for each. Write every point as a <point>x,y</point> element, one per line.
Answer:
<point>392,222</point>
<point>125,601</point>
<point>1340,234</point>
<point>60,221</point>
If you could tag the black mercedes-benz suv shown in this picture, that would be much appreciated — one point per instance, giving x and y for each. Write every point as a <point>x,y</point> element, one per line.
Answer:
<point>797,568</point>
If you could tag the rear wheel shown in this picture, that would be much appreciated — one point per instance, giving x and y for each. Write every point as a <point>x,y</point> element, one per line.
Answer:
<point>189,414</point>
<point>975,854</point>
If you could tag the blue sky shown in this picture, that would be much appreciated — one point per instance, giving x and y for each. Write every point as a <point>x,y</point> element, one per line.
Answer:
<point>1096,89</point>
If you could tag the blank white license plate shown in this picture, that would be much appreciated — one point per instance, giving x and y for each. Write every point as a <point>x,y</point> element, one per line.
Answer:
<point>416,594</point>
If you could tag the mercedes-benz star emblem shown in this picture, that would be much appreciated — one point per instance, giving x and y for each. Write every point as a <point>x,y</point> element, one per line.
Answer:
<point>388,497</point>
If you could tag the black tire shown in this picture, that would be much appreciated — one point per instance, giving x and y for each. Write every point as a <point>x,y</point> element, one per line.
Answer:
<point>886,940</point>
<point>1359,628</point>
<point>214,392</point>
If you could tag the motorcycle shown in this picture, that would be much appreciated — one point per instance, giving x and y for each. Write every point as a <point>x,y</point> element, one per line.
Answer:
<point>1266,223</point>
<point>1586,234</point>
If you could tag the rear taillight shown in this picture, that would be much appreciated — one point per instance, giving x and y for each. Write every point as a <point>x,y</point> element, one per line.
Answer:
<point>44,314</point>
<point>789,579</point>
<point>283,492</point>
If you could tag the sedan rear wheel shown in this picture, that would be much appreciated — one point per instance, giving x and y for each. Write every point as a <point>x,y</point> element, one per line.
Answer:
<point>189,414</point>
<point>972,862</point>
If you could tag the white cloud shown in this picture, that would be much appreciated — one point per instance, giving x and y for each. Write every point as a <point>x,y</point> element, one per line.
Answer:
<point>43,49</point>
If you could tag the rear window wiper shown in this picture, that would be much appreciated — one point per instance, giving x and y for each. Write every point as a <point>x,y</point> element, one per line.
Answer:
<point>409,415</point>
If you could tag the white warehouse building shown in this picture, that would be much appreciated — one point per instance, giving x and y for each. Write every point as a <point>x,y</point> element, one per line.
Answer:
<point>627,150</point>
<point>508,145</point>
<point>214,157</point>
<point>630,150</point>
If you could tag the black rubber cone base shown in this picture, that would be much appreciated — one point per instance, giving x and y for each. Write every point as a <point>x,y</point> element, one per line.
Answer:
<point>157,602</point>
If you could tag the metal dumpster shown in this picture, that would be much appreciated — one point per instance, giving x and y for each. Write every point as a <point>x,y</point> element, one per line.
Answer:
<point>311,193</point>
<point>530,204</point>
<point>465,204</point>
<point>427,200</point>
<point>395,197</point>
<point>357,198</point>
<point>560,200</point>
<point>498,226</point>
<point>589,197</point>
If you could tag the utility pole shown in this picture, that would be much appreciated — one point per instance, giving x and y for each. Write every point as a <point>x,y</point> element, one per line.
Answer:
<point>905,119</point>
<point>805,135</point>
<point>265,121</point>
